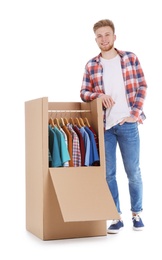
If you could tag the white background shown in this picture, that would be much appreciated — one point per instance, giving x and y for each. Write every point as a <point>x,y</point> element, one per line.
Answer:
<point>44,46</point>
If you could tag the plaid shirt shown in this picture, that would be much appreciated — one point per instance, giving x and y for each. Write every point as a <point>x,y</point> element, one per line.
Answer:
<point>76,146</point>
<point>134,80</point>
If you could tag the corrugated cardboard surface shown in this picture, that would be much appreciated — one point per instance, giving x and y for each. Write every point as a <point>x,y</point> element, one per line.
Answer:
<point>83,195</point>
<point>33,164</point>
<point>63,202</point>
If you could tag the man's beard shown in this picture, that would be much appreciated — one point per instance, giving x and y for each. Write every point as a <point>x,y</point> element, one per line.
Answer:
<point>106,48</point>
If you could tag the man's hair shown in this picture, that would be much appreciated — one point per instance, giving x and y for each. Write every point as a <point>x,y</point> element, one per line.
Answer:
<point>103,23</point>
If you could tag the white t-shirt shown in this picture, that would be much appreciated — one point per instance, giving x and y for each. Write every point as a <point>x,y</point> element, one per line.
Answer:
<point>114,86</point>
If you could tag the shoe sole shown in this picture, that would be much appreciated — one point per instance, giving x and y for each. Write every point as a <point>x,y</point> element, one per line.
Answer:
<point>109,231</point>
<point>138,229</point>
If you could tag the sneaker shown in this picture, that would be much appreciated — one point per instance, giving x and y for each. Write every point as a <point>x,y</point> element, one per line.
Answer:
<point>115,227</point>
<point>137,223</point>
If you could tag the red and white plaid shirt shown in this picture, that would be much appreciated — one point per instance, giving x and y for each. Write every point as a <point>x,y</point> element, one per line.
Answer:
<point>133,76</point>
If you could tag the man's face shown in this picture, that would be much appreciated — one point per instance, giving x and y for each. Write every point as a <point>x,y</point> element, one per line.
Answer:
<point>105,38</point>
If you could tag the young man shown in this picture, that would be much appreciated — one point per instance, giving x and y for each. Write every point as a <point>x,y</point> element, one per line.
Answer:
<point>117,78</point>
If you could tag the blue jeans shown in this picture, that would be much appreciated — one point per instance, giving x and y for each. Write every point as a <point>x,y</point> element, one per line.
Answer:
<point>127,137</point>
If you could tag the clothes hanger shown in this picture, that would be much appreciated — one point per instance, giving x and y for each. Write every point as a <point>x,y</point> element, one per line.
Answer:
<point>51,123</point>
<point>76,121</point>
<point>81,121</point>
<point>87,122</point>
<point>71,121</point>
<point>65,121</point>
<point>56,122</point>
<point>62,121</point>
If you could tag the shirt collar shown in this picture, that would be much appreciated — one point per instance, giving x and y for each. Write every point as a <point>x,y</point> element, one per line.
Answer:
<point>121,54</point>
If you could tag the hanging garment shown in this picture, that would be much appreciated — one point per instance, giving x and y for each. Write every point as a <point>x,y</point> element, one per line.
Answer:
<point>95,137</point>
<point>64,154</point>
<point>66,164</point>
<point>54,152</point>
<point>87,145</point>
<point>81,142</point>
<point>94,157</point>
<point>76,146</point>
<point>70,144</point>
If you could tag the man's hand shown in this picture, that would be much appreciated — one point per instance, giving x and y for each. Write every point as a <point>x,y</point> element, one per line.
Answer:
<point>107,101</point>
<point>128,119</point>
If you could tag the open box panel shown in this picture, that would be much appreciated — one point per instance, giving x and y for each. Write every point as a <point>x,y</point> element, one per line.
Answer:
<point>64,202</point>
<point>82,196</point>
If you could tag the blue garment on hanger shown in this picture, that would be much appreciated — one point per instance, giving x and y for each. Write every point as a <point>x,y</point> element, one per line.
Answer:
<point>94,157</point>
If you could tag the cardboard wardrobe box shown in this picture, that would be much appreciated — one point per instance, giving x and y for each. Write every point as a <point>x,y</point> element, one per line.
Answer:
<point>64,202</point>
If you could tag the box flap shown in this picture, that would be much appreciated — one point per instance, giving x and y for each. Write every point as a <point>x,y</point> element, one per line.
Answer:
<point>83,196</point>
